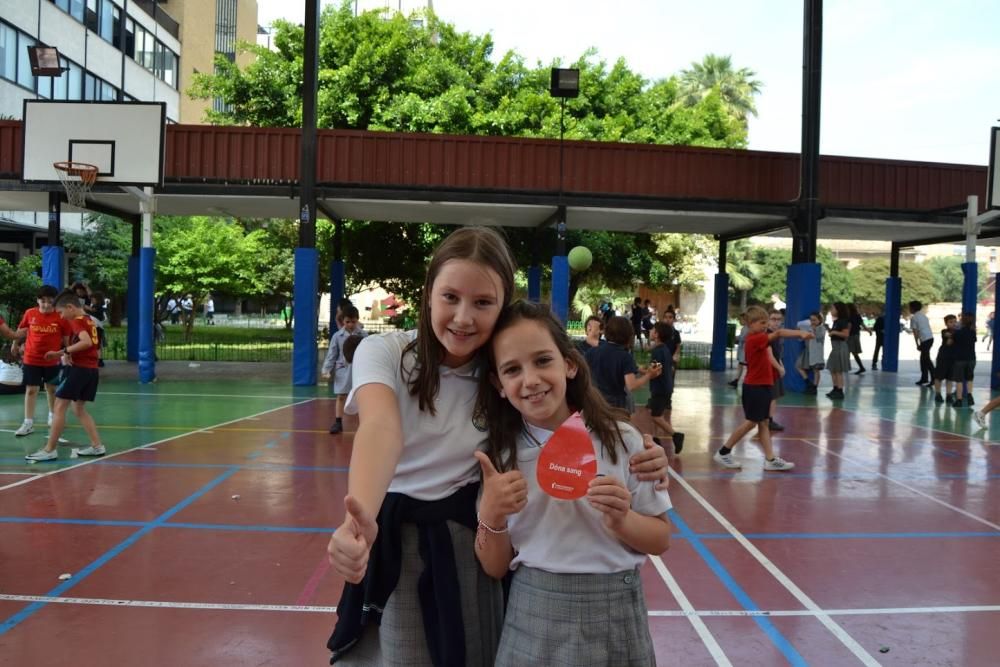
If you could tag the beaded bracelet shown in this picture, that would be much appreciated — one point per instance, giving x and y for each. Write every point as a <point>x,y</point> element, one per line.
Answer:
<point>489,528</point>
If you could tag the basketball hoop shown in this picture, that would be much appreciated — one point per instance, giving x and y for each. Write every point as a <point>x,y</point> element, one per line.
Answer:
<point>77,178</point>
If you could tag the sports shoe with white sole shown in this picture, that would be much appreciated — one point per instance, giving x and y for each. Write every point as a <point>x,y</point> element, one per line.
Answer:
<point>42,455</point>
<point>778,463</point>
<point>25,428</point>
<point>91,451</point>
<point>726,460</point>
<point>980,418</point>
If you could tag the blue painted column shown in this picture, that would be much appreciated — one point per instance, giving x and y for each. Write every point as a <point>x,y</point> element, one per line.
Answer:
<point>144,330</point>
<point>53,261</point>
<point>801,298</point>
<point>720,322</point>
<point>995,367</point>
<point>970,287</point>
<point>132,310</point>
<point>336,290</point>
<point>534,283</point>
<point>892,311</point>
<point>304,348</point>
<point>560,287</point>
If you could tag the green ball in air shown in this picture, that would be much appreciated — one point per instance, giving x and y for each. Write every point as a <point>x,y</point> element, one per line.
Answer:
<point>580,258</point>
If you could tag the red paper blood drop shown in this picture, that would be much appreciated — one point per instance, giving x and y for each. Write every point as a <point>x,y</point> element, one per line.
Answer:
<point>567,462</point>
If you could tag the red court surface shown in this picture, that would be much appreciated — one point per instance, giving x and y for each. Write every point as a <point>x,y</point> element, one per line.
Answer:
<point>882,547</point>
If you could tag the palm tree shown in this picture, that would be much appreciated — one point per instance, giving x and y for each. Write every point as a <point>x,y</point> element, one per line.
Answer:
<point>742,269</point>
<point>736,87</point>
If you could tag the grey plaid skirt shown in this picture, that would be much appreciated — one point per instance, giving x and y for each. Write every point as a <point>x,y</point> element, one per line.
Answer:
<point>399,640</point>
<point>575,620</point>
<point>854,343</point>
<point>839,360</point>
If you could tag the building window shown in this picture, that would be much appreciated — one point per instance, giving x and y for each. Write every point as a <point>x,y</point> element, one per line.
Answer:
<point>90,15</point>
<point>129,37</point>
<point>76,9</point>
<point>108,16</point>
<point>8,52</point>
<point>74,85</point>
<point>24,75</point>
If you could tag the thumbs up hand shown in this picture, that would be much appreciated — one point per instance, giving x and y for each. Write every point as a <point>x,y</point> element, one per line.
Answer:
<point>503,493</point>
<point>351,543</point>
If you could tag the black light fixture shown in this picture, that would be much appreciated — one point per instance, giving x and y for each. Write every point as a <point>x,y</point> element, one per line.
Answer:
<point>565,82</point>
<point>44,61</point>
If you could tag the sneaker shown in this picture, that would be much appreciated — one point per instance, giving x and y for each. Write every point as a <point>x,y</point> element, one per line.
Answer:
<point>774,426</point>
<point>733,383</point>
<point>811,389</point>
<point>921,383</point>
<point>25,428</point>
<point>778,463</point>
<point>938,398</point>
<point>726,460</point>
<point>968,399</point>
<point>980,418</point>
<point>950,399</point>
<point>678,439</point>
<point>337,428</point>
<point>860,371</point>
<point>874,367</point>
<point>836,394</point>
<point>42,455</point>
<point>93,450</point>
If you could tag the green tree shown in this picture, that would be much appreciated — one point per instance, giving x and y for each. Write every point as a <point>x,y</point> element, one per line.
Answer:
<point>946,272</point>
<point>384,72</point>
<point>99,257</point>
<point>19,285</point>
<point>742,268</point>
<point>716,74</point>
<point>836,284</point>
<point>201,254</point>
<point>869,282</point>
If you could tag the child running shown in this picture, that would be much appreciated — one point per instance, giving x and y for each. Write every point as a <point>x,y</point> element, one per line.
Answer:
<point>414,479</point>
<point>45,331</point>
<point>335,364</point>
<point>78,385</point>
<point>762,369</point>
<point>572,560</point>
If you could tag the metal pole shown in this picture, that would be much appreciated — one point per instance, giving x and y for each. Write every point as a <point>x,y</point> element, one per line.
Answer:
<point>562,114</point>
<point>804,247</point>
<point>307,176</point>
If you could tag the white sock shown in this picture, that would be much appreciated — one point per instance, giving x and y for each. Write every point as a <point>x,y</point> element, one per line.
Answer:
<point>29,422</point>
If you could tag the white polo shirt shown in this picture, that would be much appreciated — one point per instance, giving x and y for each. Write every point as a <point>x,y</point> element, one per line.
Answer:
<point>920,324</point>
<point>568,536</point>
<point>438,450</point>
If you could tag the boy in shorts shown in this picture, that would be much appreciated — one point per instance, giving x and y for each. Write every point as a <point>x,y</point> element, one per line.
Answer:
<point>661,388</point>
<point>79,379</point>
<point>336,366</point>
<point>762,371</point>
<point>44,331</point>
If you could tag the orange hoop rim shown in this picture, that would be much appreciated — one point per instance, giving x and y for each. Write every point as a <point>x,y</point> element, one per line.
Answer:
<point>87,173</point>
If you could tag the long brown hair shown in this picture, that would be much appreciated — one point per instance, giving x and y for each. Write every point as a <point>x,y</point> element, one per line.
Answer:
<point>506,423</point>
<point>480,245</point>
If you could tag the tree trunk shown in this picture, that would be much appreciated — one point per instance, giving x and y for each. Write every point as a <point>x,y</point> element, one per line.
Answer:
<point>117,310</point>
<point>239,308</point>
<point>743,300</point>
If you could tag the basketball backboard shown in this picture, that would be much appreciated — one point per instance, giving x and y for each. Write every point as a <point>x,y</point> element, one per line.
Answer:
<point>123,139</point>
<point>993,179</point>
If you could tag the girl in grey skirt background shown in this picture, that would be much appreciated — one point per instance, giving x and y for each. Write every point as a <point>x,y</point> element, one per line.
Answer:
<point>576,596</point>
<point>839,361</point>
<point>415,594</point>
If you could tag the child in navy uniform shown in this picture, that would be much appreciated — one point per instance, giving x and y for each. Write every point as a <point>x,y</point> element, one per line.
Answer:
<point>613,367</point>
<point>661,388</point>
<point>572,560</point>
<point>943,362</point>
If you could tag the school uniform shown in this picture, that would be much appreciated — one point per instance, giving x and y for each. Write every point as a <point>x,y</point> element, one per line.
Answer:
<point>811,357</point>
<point>576,595</point>
<point>661,388</point>
<point>945,355</point>
<point>79,381</point>
<point>778,388</point>
<point>839,360</point>
<point>964,365</point>
<point>45,334</point>
<point>609,364</point>
<point>335,365</point>
<point>432,481</point>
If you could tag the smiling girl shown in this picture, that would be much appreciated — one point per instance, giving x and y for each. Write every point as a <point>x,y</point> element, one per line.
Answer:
<point>415,593</point>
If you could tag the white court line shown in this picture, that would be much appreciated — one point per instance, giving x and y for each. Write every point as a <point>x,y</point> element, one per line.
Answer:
<point>316,609</point>
<point>853,646</point>
<point>688,610</point>
<point>906,486</point>
<point>255,416</point>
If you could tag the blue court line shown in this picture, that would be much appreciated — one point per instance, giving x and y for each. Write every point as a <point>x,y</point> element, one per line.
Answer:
<point>782,644</point>
<point>254,528</point>
<point>103,559</point>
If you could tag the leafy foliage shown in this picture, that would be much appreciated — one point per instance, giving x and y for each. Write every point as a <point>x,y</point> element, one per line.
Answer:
<point>869,282</point>
<point>715,75</point>
<point>99,256</point>
<point>19,284</point>
<point>773,275</point>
